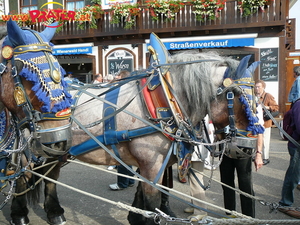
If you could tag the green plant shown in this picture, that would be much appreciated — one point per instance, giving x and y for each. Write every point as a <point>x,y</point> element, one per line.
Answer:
<point>126,11</point>
<point>207,9</point>
<point>89,14</point>
<point>168,9</point>
<point>248,7</point>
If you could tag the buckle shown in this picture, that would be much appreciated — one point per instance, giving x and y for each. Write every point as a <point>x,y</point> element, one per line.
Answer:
<point>2,68</point>
<point>230,95</point>
<point>14,71</point>
<point>219,90</point>
<point>178,133</point>
<point>226,129</point>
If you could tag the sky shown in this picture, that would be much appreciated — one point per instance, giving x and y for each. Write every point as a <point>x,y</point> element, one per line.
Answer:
<point>294,13</point>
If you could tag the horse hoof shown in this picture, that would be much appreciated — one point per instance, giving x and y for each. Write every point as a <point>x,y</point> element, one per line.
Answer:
<point>167,210</point>
<point>20,221</point>
<point>57,220</point>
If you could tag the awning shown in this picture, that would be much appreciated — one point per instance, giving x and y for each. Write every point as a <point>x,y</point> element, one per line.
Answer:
<point>220,41</point>
<point>73,49</point>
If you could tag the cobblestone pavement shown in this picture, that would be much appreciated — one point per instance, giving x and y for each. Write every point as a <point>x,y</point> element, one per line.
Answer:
<point>86,210</point>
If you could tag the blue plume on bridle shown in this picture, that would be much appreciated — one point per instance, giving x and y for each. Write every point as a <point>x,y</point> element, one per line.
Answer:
<point>244,78</point>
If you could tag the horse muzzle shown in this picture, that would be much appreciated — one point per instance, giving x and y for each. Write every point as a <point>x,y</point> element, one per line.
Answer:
<point>241,148</point>
<point>52,142</point>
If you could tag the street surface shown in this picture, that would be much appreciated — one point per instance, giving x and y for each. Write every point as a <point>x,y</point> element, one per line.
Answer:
<point>87,210</point>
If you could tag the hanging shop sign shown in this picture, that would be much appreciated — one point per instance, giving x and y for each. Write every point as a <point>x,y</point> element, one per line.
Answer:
<point>72,51</point>
<point>222,43</point>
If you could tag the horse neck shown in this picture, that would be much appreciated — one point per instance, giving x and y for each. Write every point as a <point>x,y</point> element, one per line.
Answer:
<point>7,90</point>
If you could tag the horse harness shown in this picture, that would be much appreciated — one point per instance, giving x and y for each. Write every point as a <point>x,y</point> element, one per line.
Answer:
<point>175,128</point>
<point>33,116</point>
<point>239,143</point>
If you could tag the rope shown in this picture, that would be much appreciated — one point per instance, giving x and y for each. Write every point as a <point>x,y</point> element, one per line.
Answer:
<point>272,206</point>
<point>237,214</point>
<point>37,182</point>
<point>164,187</point>
<point>249,221</point>
<point>147,214</point>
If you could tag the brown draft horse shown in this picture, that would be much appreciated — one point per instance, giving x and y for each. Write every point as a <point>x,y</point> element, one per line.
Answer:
<point>33,91</point>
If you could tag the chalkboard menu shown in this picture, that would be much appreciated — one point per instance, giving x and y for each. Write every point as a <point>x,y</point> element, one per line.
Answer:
<point>269,64</point>
<point>119,60</point>
<point>116,65</point>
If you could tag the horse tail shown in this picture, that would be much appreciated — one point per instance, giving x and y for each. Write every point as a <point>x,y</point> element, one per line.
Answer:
<point>33,196</point>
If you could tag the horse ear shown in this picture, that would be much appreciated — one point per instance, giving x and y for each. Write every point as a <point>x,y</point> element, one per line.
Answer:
<point>253,66</point>
<point>50,31</point>
<point>15,33</point>
<point>242,67</point>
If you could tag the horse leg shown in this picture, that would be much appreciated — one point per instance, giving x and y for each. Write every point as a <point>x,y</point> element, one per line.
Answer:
<point>19,210</point>
<point>146,201</point>
<point>149,201</point>
<point>134,218</point>
<point>168,182</point>
<point>55,213</point>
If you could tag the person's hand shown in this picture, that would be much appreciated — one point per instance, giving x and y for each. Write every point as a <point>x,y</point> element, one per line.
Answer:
<point>258,162</point>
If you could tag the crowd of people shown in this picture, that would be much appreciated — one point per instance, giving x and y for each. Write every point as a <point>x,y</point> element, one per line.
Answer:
<point>97,78</point>
<point>243,166</point>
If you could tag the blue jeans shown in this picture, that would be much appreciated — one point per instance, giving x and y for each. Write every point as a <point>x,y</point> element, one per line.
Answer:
<point>291,179</point>
<point>123,182</point>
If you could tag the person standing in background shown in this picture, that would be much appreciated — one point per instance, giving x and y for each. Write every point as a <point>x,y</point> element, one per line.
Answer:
<point>211,133</point>
<point>122,182</point>
<point>98,79</point>
<point>69,77</point>
<point>294,94</point>
<point>269,102</point>
<point>243,168</point>
<point>292,175</point>
<point>122,74</point>
<point>197,163</point>
<point>295,89</point>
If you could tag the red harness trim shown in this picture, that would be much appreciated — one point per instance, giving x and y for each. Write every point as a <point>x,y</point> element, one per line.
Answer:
<point>148,100</point>
<point>154,99</point>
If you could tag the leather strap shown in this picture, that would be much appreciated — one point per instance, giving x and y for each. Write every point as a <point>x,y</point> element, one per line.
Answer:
<point>164,165</point>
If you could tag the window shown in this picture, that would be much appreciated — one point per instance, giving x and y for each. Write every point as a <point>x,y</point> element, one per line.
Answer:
<point>74,4</point>
<point>27,5</point>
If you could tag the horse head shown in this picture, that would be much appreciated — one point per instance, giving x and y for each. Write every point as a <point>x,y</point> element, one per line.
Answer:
<point>222,87</point>
<point>33,90</point>
<point>234,112</point>
<point>235,98</point>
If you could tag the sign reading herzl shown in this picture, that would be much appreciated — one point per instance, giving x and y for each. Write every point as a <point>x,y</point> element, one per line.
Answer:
<point>269,64</point>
